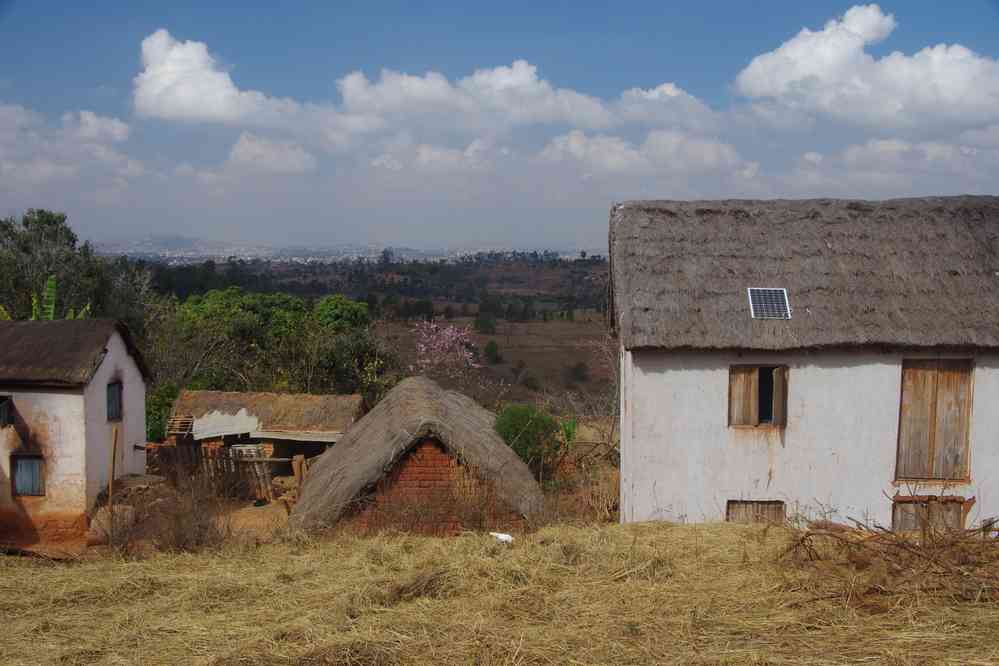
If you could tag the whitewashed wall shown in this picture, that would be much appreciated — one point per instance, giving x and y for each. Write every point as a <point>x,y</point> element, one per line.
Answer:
<point>51,423</point>
<point>836,457</point>
<point>118,365</point>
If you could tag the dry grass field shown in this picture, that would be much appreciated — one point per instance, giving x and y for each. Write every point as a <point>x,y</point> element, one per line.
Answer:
<point>639,594</point>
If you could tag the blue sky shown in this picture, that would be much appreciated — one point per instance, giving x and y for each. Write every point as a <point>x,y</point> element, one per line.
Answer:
<point>504,124</point>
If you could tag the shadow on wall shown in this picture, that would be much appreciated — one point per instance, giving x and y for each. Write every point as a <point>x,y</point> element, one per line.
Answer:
<point>16,524</point>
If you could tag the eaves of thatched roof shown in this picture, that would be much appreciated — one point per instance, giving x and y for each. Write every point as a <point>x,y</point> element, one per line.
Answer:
<point>906,273</point>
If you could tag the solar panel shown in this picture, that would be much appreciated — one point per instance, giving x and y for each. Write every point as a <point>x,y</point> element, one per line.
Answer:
<point>769,303</point>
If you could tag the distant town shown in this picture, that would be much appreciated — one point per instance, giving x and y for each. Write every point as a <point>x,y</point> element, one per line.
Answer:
<point>183,250</point>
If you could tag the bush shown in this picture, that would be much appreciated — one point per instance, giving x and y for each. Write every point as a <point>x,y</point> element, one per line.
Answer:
<point>492,353</point>
<point>159,401</point>
<point>577,373</point>
<point>532,433</point>
<point>529,381</point>
<point>485,324</point>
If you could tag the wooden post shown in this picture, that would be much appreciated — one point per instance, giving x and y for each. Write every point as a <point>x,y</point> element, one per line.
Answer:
<point>298,469</point>
<point>114,455</point>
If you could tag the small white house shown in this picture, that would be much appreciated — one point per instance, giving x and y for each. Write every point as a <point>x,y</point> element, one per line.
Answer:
<point>813,359</point>
<point>64,387</point>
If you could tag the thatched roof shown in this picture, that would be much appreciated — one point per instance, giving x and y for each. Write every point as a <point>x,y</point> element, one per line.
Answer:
<point>292,416</point>
<point>415,409</point>
<point>900,273</point>
<point>58,354</point>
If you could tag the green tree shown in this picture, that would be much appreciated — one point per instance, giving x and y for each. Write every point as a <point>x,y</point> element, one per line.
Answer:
<point>339,314</point>
<point>492,353</point>
<point>532,433</point>
<point>485,324</point>
<point>159,401</point>
<point>41,245</point>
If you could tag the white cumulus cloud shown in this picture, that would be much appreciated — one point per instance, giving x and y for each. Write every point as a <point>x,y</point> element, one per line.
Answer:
<point>830,72</point>
<point>183,81</point>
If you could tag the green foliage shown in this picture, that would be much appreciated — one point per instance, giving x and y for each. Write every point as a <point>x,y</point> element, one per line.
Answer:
<point>568,427</point>
<point>158,404</point>
<point>339,314</point>
<point>492,353</point>
<point>485,324</point>
<point>234,340</point>
<point>577,373</point>
<point>532,433</point>
<point>4,315</point>
<point>40,249</point>
<point>530,381</point>
<point>49,299</point>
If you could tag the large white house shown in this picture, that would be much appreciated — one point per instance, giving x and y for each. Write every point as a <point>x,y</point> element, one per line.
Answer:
<point>815,359</point>
<point>64,387</point>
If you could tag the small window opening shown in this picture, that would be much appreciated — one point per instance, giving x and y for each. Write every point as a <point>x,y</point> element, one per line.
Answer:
<point>27,475</point>
<point>766,390</point>
<point>757,395</point>
<point>114,401</point>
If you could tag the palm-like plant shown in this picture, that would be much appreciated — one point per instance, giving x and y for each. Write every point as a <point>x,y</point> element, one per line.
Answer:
<point>45,310</point>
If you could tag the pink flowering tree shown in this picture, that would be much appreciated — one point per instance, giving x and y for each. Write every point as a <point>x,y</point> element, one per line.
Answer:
<point>444,349</point>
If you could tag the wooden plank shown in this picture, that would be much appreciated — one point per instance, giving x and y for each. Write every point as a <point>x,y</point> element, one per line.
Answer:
<point>908,516</point>
<point>746,511</point>
<point>114,456</point>
<point>950,437</point>
<point>743,400</point>
<point>780,396</point>
<point>916,420</point>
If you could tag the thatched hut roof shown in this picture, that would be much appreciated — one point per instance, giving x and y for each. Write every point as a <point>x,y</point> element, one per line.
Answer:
<point>415,409</point>
<point>912,273</point>
<point>63,353</point>
<point>289,416</point>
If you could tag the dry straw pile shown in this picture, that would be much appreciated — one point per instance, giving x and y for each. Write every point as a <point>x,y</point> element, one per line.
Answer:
<point>713,594</point>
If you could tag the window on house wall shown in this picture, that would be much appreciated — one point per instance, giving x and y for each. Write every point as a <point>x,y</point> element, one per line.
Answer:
<point>757,395</point>
<point>761,511</point>
<point>933,420</point>
<point>27,474</point>
<point>114,401</point>
<point>912,514</point>
<point>6,411</point>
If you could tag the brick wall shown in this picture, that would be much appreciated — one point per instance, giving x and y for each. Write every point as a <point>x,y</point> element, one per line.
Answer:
<point>429,492</point>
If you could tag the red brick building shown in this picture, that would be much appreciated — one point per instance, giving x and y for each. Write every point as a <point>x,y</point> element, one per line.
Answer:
<point>425,460</point>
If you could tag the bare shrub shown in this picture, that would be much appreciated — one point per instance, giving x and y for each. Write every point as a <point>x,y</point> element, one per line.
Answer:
<point>467,503</point>
<point>590,494</point>
<point>196,521</point>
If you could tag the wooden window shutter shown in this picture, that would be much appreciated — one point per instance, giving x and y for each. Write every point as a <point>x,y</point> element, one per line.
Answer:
<point>780,396</point>
<point>743,399</point>
<point>933,420</point>
<point>919,379</point>
<point>949,445</point>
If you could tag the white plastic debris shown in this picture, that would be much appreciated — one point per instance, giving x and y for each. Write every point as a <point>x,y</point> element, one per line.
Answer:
<point>501,537</point>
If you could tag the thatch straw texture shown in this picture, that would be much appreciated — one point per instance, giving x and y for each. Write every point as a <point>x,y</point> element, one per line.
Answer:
<point>900,273</point>
<point>415,409</point>
<point>60,353</point>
